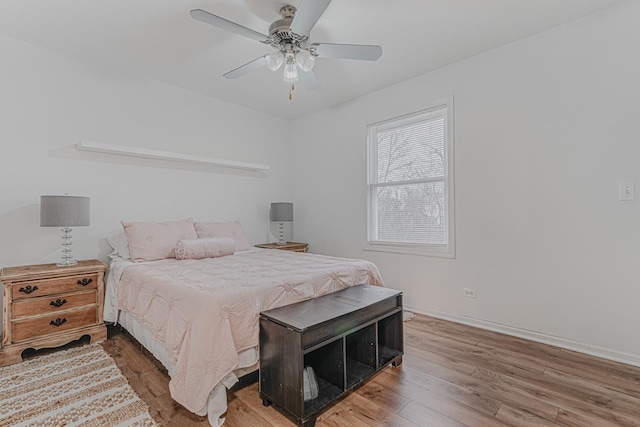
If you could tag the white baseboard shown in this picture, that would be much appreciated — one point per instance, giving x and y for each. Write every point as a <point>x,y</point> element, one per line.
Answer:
<point>605,353</point>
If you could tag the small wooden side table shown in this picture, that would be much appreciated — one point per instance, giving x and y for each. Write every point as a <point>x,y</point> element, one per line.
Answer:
<point>289,246</point>
<point>48,306</point>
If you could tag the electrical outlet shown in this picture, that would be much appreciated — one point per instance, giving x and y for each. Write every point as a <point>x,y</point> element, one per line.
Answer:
<point>469,293</point>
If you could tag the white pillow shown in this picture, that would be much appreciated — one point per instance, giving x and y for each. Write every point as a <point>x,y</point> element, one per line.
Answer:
<point>120,244</point>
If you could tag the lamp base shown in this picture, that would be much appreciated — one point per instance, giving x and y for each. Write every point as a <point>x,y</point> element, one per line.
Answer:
<point>67,248</point>
<point>281,241</point>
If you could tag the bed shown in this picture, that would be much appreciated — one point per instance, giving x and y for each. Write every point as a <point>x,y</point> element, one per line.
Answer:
<point>199,318</point>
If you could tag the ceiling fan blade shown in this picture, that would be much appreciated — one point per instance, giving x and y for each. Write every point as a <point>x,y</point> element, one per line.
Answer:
<point>225,24</point>
<point>363,52</point>
<point>246,68</point>
<point>307,15</point>
<point>308,79</point>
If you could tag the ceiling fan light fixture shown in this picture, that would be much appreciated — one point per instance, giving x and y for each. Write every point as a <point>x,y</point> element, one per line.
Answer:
<point>289,36</point>
<point>290,72</point>
<point>274,60</point>
<point>305,60</point>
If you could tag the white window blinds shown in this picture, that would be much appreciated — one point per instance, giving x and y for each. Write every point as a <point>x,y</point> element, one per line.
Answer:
<point>409,183</point>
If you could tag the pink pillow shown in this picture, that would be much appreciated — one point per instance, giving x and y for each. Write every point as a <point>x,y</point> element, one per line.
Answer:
<point>149,241</point>
<point>231,229</point>
<point>210,247</point>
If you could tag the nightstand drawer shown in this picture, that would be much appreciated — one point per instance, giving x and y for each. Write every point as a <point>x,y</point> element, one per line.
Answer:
<point>57,322</point>
<point>54,286</point>
<point>52,304</point>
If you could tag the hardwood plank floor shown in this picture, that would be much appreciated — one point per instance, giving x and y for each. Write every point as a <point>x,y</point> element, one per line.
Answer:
<point>452,375</point>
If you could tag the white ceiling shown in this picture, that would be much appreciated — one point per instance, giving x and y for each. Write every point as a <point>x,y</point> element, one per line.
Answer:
<point>158,39</point>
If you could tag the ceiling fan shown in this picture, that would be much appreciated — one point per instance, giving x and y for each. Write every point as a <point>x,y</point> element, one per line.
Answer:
<point>290,37</point>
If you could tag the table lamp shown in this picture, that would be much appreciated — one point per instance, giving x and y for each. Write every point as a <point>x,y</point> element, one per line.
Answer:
<point>281,212</point>
<point>65,212</point>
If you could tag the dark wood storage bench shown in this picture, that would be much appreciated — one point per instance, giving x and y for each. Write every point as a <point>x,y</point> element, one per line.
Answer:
<point>346,337</point>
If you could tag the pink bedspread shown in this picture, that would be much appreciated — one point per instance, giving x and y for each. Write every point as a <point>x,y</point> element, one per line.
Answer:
<point>206,311</point>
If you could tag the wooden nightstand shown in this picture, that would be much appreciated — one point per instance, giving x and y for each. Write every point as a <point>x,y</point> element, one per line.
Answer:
<point>289,246</point>
<point>48,306</point>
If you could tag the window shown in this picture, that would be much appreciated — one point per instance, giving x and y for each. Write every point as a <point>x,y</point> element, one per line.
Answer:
<point>410,183</point>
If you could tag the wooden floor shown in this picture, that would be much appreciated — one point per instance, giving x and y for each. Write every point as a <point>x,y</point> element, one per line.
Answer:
<point>452,375</point>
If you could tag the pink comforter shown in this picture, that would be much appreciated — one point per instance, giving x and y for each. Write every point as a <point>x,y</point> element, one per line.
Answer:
<point>206,311</point>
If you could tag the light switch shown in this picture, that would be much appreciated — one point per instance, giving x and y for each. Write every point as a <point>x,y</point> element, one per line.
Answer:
<point>627,191</point>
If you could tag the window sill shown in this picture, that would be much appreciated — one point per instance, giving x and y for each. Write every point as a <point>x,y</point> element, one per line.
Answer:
<point>422,250</point>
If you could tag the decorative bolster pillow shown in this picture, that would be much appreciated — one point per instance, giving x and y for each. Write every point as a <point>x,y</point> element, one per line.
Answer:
<point>211,247</point>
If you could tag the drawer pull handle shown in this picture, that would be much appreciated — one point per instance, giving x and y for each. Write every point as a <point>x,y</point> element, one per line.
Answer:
<point>84,282</point>
<point>58,322</point>
<point>28,289</point>
<point>58,303</point>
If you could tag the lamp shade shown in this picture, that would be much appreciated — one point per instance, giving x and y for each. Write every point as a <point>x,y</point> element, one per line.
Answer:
<point>305,60</point>
<point>290,72</point>
<point>281,211</point>
<point>64,211</point>
<point>274,60</point>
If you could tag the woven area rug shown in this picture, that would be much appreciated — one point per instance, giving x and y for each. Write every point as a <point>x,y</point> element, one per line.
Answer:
<point>80,386</point>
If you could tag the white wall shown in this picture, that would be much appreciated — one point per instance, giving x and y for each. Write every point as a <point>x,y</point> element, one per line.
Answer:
<point>51,101</point>
<point>545,129</point>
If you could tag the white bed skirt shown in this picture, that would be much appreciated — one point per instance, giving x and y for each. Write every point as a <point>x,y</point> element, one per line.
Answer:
<point>217,402</point>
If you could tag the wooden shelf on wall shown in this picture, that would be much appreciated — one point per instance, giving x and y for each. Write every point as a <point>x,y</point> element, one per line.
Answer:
<point>146,153</point>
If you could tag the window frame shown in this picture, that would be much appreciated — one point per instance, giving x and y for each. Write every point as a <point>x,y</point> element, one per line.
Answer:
<point>426,249</point>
